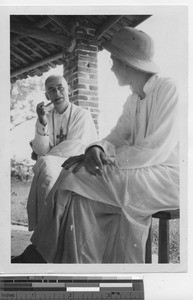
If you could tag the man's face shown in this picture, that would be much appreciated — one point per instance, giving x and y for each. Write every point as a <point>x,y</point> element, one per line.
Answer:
<point>57,92</point>
<point>121,71</point>
<point>118,69</point>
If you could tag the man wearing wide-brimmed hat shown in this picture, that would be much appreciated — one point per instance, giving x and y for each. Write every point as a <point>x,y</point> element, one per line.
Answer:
<point>100,208</point>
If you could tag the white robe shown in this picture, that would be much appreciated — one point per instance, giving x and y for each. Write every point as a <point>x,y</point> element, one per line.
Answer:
<point>52,153</point>
<point>117,206</point>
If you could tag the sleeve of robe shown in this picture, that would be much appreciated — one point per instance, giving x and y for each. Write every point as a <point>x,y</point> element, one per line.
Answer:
<point>41,141</point>
<point>82,131</point>
<point>156,147</point>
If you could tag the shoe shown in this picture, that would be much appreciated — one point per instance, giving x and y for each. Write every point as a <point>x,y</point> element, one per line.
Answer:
<point>29,256</point>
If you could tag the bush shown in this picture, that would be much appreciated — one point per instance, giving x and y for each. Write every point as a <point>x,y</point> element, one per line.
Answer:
<point>21,169</point>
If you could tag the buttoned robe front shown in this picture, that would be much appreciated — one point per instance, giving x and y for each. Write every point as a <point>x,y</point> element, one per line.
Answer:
<point>106,219</point>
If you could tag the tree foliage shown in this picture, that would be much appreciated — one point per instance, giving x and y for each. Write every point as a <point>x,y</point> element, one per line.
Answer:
<point>25,94</point>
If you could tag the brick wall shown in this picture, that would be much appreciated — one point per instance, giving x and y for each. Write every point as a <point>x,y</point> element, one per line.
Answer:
<point>81,71</point>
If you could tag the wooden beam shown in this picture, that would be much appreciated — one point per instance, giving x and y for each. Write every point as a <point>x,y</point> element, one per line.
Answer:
<point>40,34</point>
<point>31,49</point>
<point>38,46</point>
<point>106,25</point>
<point>140,19</point>
<point>15,48</point>
<point>37,64</point>
<point>60,23</point>
<point>19,57</point>
<point>14,64</point>
<point>43,22</point>
<point>52,64</point>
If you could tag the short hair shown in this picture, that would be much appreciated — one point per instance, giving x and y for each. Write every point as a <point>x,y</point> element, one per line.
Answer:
<point>56,76</point>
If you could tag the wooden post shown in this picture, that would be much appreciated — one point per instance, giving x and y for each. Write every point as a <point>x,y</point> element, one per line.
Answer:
<point>148,254</point>
<point>163,246</point>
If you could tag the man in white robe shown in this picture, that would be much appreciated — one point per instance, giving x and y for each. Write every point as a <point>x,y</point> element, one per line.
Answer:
<point>99,210</point>
<point>61,132</point>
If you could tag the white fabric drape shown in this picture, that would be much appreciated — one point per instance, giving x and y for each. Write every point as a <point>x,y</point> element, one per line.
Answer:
<point>143,179</point>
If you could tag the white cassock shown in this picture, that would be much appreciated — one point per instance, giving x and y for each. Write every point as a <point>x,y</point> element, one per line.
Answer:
<point>106,219</point>
<point>52,152</point>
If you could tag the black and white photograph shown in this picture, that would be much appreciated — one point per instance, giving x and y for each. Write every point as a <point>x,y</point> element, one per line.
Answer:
<point>97,125</point>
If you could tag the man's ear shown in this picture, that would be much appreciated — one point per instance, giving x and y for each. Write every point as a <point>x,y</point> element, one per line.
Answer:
<point>47,97</point>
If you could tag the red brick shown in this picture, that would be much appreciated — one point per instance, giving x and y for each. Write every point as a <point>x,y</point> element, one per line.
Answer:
<point>88,103</point>
<point>67,73</point>
<point>75,69</point>
<point>86,36</point>
<point>93,65</point>
<point>84,70</point>
<point>82,75</point>
<point>86,26</point>
<point>85,41</point>
<point>88,92</point>
<point>95,110</point>
<point>73,98</point>
<point>84,92</point>
<point>94,98</point>
<point>88,47</point>
<point>88,58</point>
<point>84,53</point>
<point>93,76</point>
<point>95,116</point>
<point>87,81</point>
<point>75,92</point>
<point>82,86</point>
<point>82,97</point>
<point>83,63</point>
<point>78,75</point>
<point>96,122</point>
<point>75,82</point>
<point>79,86</point>
<point>81,70</point>
<point>93,87</point>
<point>77,102</point>
<point>91,31</point>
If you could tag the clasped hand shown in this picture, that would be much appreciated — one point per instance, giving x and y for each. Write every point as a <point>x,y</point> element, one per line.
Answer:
<point>93,161</point>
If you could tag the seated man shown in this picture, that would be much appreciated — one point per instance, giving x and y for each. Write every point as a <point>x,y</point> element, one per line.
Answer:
<point>99,210</point>
<point>63,131</point>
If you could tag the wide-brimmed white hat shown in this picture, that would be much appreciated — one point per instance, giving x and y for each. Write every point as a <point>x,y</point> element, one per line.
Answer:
<point>134,47</point>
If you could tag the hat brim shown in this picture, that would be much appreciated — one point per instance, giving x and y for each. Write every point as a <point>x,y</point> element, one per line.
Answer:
<point>142,65</point>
